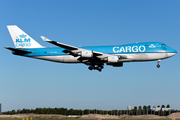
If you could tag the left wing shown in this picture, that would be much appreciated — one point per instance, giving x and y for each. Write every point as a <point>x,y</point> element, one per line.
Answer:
<point>85,55</point>
<point>68,47</point>
<point>72,50</point>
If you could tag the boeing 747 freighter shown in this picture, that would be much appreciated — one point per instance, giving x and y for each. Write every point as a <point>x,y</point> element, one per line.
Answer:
<point>93,56</point>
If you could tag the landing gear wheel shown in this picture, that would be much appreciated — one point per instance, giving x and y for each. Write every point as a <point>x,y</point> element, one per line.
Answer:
<point>96,67</point>
<point>158,66</point>
<point>102,67</point>
<point>90,67</point>
<point>99,68</point>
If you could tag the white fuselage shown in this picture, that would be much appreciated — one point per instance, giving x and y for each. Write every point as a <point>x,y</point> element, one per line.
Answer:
<point>130,57</point>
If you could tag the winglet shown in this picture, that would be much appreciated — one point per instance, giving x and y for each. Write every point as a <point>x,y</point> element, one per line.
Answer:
<point>45,39</point>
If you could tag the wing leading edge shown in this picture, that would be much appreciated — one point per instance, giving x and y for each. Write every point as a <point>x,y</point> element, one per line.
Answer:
<point>72,50</point>
<point>89,57</point>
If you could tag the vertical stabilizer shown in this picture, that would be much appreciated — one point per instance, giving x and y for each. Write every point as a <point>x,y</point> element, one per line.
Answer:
<point>21,39</point>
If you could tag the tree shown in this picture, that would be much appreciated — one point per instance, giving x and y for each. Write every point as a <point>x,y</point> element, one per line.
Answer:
<point>149,108</point>
<point>86,111</point>
<point>18,111</point>
<point>139,109</point>
<point>158,106</point>
<point>47,111</point>
<point>71,112</point>
<point>162,106</point>
<point>135,110</point>
<point>144,109</point>
<point>13,112</point>
<point>168,106</point>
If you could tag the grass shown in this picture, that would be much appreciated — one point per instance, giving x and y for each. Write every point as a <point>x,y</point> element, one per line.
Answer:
<point>75,119</point>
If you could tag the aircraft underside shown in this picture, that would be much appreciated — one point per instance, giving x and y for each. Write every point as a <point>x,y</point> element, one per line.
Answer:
<point>96,64</point>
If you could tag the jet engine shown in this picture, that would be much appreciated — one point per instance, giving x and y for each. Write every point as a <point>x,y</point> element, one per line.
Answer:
<point>113,59</point>
<point>86,54</point>
<point>116,64</point>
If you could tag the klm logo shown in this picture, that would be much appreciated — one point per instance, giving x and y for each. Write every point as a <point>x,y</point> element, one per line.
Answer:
<point>152,46</point>
<point>23,41</point>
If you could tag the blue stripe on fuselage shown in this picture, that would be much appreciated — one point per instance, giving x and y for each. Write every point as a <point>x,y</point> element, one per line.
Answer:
<point>148,47</point>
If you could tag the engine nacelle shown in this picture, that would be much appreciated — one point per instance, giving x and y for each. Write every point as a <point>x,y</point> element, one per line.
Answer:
<point>113,59</point>
<point>116,64</point>
<point>86,54</point>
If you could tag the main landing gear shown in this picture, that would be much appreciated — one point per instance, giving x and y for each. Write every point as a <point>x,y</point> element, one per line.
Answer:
<point>93,67</point>
<point>158,65</point>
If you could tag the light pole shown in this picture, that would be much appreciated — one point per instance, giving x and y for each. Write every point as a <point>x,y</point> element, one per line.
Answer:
<point>0,108</point>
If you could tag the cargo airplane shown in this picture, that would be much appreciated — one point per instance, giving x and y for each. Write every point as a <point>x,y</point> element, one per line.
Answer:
<point>93,56</point>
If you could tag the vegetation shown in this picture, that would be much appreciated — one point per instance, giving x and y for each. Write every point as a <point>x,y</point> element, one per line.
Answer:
<point>64,111</point>
<point>73,119</point>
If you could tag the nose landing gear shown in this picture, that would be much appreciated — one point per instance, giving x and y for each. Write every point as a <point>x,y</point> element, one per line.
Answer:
<point>158,65</point>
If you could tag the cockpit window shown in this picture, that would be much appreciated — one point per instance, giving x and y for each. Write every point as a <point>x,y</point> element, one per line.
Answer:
<point>162,44</point>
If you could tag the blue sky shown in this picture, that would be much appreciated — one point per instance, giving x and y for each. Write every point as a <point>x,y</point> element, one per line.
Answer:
<point>31,83</point>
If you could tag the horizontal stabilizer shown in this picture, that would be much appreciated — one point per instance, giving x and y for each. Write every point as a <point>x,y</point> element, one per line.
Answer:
<point>18,51</point>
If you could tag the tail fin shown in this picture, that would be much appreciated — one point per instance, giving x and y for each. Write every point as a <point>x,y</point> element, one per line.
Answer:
<point>21,39</point>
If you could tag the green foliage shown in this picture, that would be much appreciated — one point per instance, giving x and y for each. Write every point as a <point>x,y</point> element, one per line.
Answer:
<point>73,119</point>
<point>65,111</point>
<point>163,106</point>
<point>168,106</point>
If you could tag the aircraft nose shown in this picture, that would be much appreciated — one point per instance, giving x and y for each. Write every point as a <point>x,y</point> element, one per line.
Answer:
<point>171,52</point>
<point>174,51</point>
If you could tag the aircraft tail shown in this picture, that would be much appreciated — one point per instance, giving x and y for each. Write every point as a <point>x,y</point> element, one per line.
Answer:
<point>21,39</point>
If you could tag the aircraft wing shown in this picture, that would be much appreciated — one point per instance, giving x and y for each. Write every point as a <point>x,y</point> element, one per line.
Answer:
<point>85,55</point>
<point>69,49</point>
<point>60,44</point>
